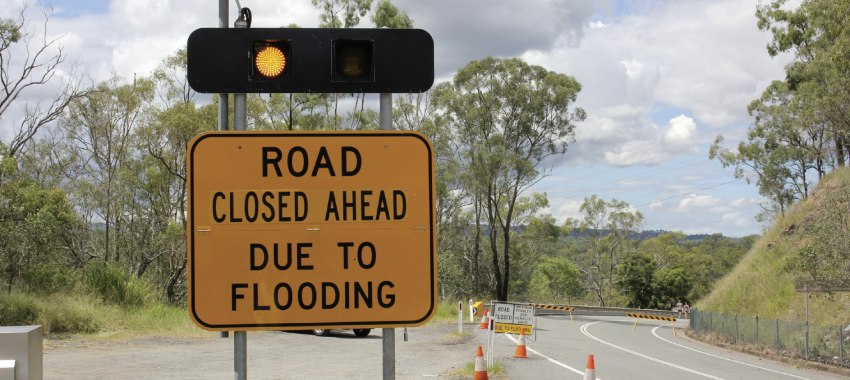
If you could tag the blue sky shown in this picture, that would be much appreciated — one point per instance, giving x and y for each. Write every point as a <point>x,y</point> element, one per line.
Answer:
<point>661,79</point>
<point>76,8</point>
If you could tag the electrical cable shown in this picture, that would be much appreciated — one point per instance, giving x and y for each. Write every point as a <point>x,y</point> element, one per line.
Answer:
<point>246,13</point>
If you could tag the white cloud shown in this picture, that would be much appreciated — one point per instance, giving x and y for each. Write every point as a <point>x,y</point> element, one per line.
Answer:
<point>659,79</point>
<point>694,203</point>
<point>597,25</point>
<point>633,68</point>
<point>680,134</point>
<point>639,143</point>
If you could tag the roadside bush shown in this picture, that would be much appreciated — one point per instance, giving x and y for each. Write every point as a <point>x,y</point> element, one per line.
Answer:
<point>114,285</point>
<point>57,314</point>
<point>18,309</point>
<point>48,279</point>
<point>64,315</point>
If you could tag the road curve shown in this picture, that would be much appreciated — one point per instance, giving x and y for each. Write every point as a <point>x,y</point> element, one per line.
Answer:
<point>651,351</point>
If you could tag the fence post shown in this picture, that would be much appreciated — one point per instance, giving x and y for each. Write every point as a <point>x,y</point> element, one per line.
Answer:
<point>757,329</point>
<point>778,346</point>
<point>736,328</point>
<point>693,320</point>
<point>841,345</point>
<point>806,288</point>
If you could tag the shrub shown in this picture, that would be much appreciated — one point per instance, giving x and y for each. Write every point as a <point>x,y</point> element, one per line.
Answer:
<point>114,285</point>
<point>48,278</point>
<point>64,315</point>
<point>18,309</point>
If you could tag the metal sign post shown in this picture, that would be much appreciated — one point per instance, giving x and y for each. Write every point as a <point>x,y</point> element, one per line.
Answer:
<point>240,121</point>
<point>386,120</point>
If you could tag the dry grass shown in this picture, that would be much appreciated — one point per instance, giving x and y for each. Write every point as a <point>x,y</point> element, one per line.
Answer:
<point>763,281</point>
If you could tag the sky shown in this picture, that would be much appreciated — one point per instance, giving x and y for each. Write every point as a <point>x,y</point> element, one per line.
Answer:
<point>660,80</point>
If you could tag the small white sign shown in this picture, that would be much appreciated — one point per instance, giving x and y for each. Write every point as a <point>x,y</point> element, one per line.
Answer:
<point>514,314</point>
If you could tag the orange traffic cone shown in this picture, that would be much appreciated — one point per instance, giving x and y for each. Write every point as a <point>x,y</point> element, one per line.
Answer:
<point>590,371</point>
<point>520,346</point>
<point>480,368</point>
<point>483,324</point>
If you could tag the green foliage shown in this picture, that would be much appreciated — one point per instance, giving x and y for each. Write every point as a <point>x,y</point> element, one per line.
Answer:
<point>33,222</point>
<point>800,131</point>
<point>447,311</point>
<point>608,226</point>
<point>10,32</point>
<point>822,259</point>
<point>17,310</point>
<point>672,285</point>
<point>508,117</point>
<point>556,280</point>
<point>388,15</point>
<point>495,371</point>
<point>115,285</point>
<point>635,277</point>
<point>48,279</point>
<point>341,13</point>
<point>71,315</point>
<point>763,283</point>
<point>58,314</point>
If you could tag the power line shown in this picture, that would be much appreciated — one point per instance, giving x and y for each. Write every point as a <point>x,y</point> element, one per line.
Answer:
<point>691,192</point>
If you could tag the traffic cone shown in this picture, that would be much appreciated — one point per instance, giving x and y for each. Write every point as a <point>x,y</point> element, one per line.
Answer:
<point>590,371</point>
<point>520,346</point>
<point>480,368</point>
<point>483,324</point>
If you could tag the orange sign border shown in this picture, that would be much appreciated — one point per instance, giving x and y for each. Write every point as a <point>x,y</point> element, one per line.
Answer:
<point>191,228</point>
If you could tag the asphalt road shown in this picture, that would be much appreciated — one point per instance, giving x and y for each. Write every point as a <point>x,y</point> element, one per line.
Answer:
<point>561,347</point>
<point>559,350</point>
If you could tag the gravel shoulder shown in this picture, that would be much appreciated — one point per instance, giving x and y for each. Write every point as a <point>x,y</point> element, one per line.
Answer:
<point>432,351</point>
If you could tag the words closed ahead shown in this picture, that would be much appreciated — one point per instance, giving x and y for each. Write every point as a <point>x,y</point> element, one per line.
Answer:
<point>310,230</point>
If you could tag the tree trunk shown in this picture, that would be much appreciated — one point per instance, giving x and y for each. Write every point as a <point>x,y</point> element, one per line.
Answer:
<point>503,292</point>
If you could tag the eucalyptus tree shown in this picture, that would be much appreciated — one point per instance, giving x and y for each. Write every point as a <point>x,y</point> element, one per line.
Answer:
<point>510,117</point>
<point>157,179</point>
<point>99,129</point>
<point>816,32</point>
<point>557,280</point>
<point>802,124</point>
<point>418,112</point>
<point>33,221</point>
<point>608,227</point>
<point>388,15</point>
<point>787,148</point>
<point>29,59</point>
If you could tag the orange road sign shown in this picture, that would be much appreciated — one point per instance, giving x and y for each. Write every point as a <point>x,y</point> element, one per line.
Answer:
<point>302,230</point>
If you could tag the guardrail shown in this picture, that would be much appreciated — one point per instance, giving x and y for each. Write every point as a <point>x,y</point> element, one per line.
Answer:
<point>547,309</point>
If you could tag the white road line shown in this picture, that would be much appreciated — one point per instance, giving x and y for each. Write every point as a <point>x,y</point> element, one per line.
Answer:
<point>553,361</point>
<point>686,369</point>
<point>720,357</point>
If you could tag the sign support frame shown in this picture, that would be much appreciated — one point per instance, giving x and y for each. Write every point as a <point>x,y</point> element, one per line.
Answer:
<point>388,334</point>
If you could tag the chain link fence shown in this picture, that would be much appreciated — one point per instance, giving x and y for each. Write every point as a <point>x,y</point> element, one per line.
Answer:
<point>826,344</point>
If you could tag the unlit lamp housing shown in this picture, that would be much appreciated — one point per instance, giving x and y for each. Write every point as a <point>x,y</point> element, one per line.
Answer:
<point>353,61</point>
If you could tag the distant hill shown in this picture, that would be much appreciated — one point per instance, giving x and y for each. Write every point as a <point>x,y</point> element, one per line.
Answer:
<point>810,244</point>
<point>643,235</point>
